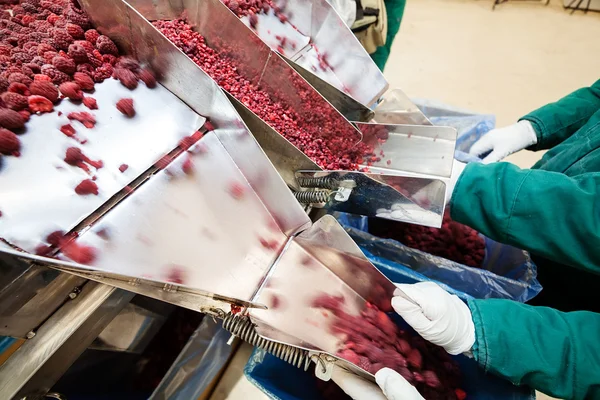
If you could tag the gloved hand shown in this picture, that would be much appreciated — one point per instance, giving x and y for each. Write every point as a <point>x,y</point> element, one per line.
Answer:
<point>439,317</point>
<point>457,169</point>
<point>505,141</point>
<point>392,386</point>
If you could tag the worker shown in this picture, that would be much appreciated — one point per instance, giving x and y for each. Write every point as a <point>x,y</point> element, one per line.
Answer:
<point>553,211</point>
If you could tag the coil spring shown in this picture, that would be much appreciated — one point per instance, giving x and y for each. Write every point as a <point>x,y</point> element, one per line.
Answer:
<point>323,182</point>
<point>242,327</point>
<point>315,196</point>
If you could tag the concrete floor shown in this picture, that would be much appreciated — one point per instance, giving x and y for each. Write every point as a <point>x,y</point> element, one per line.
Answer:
<point>506,62</point>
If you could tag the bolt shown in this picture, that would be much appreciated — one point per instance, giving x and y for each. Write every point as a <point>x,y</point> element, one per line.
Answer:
<point>72,295</point>
<point>30,335</point>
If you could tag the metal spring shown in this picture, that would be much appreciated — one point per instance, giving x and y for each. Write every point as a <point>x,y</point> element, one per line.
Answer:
<point>323,182</point>
<point>315,196</point>
<point>242,327</point>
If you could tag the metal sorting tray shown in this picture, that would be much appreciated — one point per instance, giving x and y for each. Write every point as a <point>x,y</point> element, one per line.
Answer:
<point>431,153</point>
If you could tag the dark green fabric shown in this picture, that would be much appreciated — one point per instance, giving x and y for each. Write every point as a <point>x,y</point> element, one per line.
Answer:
<point>541,347</point>
<point>553,211</point>
<point>395,11</point>
<point>557,121</point>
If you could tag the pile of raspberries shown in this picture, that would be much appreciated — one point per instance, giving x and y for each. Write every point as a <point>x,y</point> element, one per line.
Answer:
<point>49,51</point>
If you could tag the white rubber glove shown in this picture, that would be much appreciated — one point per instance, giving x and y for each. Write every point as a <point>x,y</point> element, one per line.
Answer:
<point>392,386</point>
<point>440,317</point>
<point>457,169</point>
<point>505,141</point>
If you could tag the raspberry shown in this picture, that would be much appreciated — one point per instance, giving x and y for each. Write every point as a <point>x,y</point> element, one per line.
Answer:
<point>61,22</point>
<point>123,167</point>
<point>43,48</point>
<point>103,72</point>
<point>48,5</point>
<point>20,77</point>
<point>61,38</point>
<point>40,104</point>
<point>14,101</point>
<point>90,103</point>
<point>87,186</point>
<point>89,48</point>
<point>71,90</point>
<point>92,35</point>
<point>49,56</point>
<point>41,26</point>
<point>68,130</point>
<point>128,63</point>
<point>22,57</point>
<point>10,119</point>
<point>84,81</point>
<point>30,69</point>
<point>65,65</point>
<point>9,142</point>
<point>86,69</point>
<point>148,78</point>
<point>27,46</point>
<point>125,106</point>
<point>109,59</point>
<point>84,117</point>
<point>3,84</point>
<point>106,46</point>
<point>60,77</point>
<point>75,157</point>
<point>5,49</point>
<point>45,89</point>
<point>75,31</point>
<point>95,58</point>
<point>77,53</point>
<point>77,17</point>
<point>18,87</point>
<point>126,77</point>
<point>25,115</point>
<point>42,78</point>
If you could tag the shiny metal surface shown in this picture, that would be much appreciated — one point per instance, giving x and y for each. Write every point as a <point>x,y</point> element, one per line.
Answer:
<point>39,362</point>
<point>418,149</point>
<point>402,197</point>
<point>396,108</point>
<point>323,260</point>
<point>314,32</point>
<point>190,84</point>
<point>37,186</point>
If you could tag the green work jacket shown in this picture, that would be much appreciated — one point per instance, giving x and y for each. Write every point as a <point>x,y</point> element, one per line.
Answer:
<point>553,211</point>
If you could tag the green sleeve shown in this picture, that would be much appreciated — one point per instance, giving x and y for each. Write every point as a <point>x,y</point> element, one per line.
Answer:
<point>395,11</point>
<point>554,352</point>
<point>557,121</point>
<point>547,213</point>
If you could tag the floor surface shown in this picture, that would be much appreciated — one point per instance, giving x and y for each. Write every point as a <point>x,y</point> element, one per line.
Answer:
<point>505,62</point>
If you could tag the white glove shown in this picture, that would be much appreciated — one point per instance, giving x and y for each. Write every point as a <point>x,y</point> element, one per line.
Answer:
<point>392,386</point>
<point>439,317</point>
<point>457,169</point>
<point>505,141</point>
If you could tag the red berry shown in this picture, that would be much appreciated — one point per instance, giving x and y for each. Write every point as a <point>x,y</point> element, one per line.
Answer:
<point>84,81</point>
<point>68,130</point>
<point>125,106</point>
<point>123,167</point>
<point>75,31</point>
<point>14,101</point>
<point>9,142</point>
<point>17,87</point>
<point>44,88</point>
<point>84,117</point>
<point>87,46</point>
<point>71,90</point>
<point>126,77</point>
<point>79,253</point>
<point>77,53</point>
<point>20,77</point>
<point>106,46</point>
<point>128,63</point>
<point>64,64</point>
<point>92,35</point>
<point>90,103</point>
<point>40,104</point>
<point>10,119</point>
<point>147,77</point>
<point>85,187</point>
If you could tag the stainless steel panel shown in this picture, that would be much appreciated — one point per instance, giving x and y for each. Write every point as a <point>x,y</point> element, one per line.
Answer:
<point>40,361</point>
<point>397,108</point>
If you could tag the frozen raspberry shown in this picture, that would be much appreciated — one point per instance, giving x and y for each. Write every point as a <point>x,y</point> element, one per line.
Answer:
<point>52,18</point>
<point>45,89</point>
<point>3,84</point>
<point>95,58</point>
<point>20,77</point>
<point>90,103</point>
<point>27,71</point>
<point>77,53</point>
<point>128,63</point>
<point>60,77</point>
<point>92,35</point>
<point>253,20</point>
<point>49,5</point>
<point>77,17</point>
<point>61,38</point>
<point>40,104</point>
<point>84,117</point>
<point>123,167</point>
<point>71,90</point>
<point>25,115</point>
<point>33,67</point>
<point>75,31</point>
<point>106,46</point>
<point>9,142</point>
<point>87,186</point>
<point>30,45</point>
<point>43,48</point>
<point>11,119</point>
<point>84,81</point>
<point>5,49</point>
<point>68,130</point>
<point>41,26</point>
<point>103,72</point>
<point>17,87</point>
<point>147,77</point>
<point>86,69</point>
<point>89,48</point>
<point>75,157</point>
<point>126,77</point>
<point>79,253</point>
<point>14,101</point>
<point>48,56</point>
<point>109,59</point>
<point>125,106</point>
<point>64,64</point>
<point>22,57</point>
<point>41,78</point>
